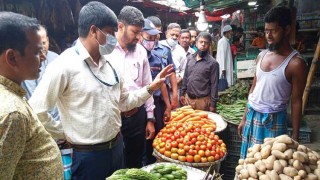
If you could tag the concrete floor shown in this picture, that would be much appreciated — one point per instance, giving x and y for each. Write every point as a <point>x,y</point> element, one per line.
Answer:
<point>314,124</point>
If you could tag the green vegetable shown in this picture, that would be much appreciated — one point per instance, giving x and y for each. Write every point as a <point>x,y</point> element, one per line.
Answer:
<point>139,174</point>
<point>120,171</point>
<point>119,177</point>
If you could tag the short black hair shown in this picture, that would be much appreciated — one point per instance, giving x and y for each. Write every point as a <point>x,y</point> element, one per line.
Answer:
<point>131,16</point>
<point>235,39</point>
<point>97,14</point>
<point>260,28</point>
<point>185,31</point>
<point>279,14</point>
<point>240,29</point>
<point>204,35</point>
<point>13,31</point>
<point>155,20</point>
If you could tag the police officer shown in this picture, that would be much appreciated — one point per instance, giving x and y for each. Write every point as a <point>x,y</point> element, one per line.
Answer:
<point>159,57</point>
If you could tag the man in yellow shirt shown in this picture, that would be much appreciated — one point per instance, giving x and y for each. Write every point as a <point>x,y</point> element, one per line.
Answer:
<point>27,151</point>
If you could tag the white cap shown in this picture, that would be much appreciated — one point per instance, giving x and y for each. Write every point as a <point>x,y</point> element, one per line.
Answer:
<point>227,28</point>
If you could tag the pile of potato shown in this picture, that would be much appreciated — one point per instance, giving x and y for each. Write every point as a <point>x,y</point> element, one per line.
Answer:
<point>279,158</point>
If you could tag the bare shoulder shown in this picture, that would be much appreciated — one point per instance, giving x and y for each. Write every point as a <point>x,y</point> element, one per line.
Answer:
<point>297,62</point>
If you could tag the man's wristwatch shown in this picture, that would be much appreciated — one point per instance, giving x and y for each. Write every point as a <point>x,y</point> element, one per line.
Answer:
<point>151,120</point>
<point>149,90</point>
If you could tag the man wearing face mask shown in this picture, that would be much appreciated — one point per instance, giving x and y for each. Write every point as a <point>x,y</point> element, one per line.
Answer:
<point>260,41</point>
<point>224,55</point>
<point>280,75</point>
<point>178,53</point>
<point>90,94</point>
<point>159,57</point>
<point>200,81</point>
<point>137,123</point>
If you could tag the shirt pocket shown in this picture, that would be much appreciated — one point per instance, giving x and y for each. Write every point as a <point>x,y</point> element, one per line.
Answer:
<point>134,69</point>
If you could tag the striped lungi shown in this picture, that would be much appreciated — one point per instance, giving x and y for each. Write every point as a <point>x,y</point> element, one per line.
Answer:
<point>261,125</point>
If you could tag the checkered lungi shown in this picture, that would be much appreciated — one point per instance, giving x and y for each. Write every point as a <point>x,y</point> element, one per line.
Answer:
<point>261,125</point>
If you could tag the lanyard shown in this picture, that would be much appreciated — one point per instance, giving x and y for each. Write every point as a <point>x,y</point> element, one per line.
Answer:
<point>101,81</point>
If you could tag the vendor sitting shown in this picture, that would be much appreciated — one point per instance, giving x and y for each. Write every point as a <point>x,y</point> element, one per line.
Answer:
<point>260,41</point>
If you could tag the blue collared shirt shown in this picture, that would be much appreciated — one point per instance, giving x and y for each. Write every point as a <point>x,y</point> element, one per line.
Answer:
<point>159,58</point>
<point>30,85</point>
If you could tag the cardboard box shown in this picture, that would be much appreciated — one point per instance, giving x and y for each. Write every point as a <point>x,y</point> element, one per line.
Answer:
<point>246,69</point>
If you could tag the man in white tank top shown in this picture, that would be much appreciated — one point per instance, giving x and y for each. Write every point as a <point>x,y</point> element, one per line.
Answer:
<point>281,73</point>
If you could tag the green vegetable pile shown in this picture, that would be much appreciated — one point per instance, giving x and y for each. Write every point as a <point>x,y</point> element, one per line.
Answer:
<point>132,174</point>
<point>168,172</point>
<point>237,92</point>
<point>232,112</point>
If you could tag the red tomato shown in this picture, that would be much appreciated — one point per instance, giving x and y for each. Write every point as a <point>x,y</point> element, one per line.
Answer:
<point>181,152</point>
<point>201,137</point>
<point>174,156</point>
<point>213,153</point>
<point>168,146</point>
<point>180,140</point>
<point>217,157</point>
<point>207,153</point>
<point>204,159</point>
<point>181,145</point>
<point>197,158</point>
<point>211,159</point>
<point>189,158</point>
<point>177,134</point>
<point>167,153</point>
<point>162,150</point>
<point>183,133</point>
<point>186,148</point>
<point>193,140</point>
<point>174,144</point>
<point>203,147</point>
<point>192,152</point>
<point>182,158</point>
<point>209,145</point>
<point>174,150</point>
<point>201,153</point>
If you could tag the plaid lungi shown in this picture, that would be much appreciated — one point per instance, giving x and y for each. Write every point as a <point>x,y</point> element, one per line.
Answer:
<point>261,125</point>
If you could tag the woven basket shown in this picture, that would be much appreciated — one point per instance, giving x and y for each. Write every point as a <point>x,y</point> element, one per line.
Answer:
<point>202,166</point>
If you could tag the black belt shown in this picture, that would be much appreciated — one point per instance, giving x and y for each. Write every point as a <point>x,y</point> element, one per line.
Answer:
<point>97,147</point>
<point>194,97</point>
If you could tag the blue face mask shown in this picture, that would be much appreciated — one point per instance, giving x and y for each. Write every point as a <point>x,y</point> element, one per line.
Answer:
<point>111,42</point>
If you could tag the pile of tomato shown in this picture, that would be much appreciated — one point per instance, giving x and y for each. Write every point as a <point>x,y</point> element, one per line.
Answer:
<point>190,141</point>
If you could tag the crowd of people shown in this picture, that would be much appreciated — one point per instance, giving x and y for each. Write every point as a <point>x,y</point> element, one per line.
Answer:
<point>108,95</point>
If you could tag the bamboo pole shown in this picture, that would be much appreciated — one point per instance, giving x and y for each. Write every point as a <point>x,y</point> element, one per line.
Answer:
<point>310,77</point>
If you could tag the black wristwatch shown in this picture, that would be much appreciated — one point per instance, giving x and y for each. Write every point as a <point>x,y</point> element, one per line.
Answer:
<point>151,120</point>
<point>149,90</point>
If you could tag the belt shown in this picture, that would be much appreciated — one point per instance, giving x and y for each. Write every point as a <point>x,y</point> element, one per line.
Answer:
<point>155,68</point>
<point>194,97</point>
<point>97,147</point>
<point>130,113</point>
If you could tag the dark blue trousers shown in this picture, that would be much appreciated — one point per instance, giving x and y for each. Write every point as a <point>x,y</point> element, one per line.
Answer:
<point>97,165</point>
<point>134,132</point>
<point>158,113</point>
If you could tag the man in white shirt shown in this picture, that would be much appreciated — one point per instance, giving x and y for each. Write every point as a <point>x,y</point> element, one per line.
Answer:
<point>90,95</point>
<point>178,53</point>
<point>179,56</point>
<point>224,56</point>
<point>184,41</point>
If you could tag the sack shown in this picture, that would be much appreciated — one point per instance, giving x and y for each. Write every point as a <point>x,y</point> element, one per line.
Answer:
<point>223,83</point>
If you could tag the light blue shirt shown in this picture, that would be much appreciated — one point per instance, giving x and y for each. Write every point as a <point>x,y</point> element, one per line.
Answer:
<point>30,85</point>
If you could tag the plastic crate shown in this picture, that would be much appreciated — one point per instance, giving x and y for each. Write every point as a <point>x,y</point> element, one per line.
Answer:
<point>232,140</point>
<point>304,134</point>
<point>228,167</point>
